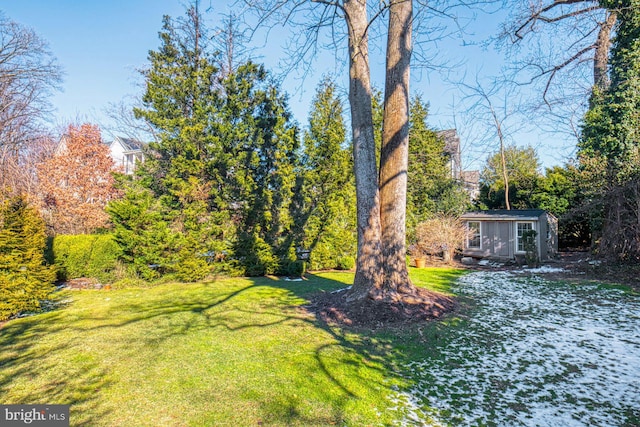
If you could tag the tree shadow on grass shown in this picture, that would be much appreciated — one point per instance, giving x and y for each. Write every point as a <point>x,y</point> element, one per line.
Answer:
<point>34,370</point>
<point>377,347</point>
<point>322,374</point>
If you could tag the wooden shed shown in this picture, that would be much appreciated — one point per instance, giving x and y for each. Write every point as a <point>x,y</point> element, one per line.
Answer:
<point>497,234</point>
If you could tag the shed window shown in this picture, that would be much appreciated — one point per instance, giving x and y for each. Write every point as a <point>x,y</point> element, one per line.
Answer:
<point>473,237</point>
<point>521,228</point>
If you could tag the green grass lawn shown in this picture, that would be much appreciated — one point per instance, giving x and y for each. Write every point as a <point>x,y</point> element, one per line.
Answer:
<point>236,352</point>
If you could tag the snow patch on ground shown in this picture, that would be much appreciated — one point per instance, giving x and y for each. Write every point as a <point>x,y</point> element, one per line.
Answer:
<point>534,353</point>
<point>541,270</point>
<point>489,263</point>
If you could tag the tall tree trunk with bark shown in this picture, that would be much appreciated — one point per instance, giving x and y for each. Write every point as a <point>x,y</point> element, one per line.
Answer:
<point>395,153</point>
<point>503,159</point>
<point>369,261</point>
<point>601,57</point>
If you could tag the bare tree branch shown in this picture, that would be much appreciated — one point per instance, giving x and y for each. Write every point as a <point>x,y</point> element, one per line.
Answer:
<point>28,75</point>
<point>538,15</point>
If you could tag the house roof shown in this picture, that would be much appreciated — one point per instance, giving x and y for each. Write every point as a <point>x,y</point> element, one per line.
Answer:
<point>451,141</point>
<point>505,215</point>
<point>129,144</point>
<point>471,177</point>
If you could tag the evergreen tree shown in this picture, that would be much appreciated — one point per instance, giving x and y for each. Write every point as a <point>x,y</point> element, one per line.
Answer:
<point>142,231</point>
<point>327,216</point>
<point>25,279</point>
<point>258,169</point>
<point>430,188</point>
<point>222,166</point>
<point>556,191</point>
<point>612,125</point>
<point>181,91</point>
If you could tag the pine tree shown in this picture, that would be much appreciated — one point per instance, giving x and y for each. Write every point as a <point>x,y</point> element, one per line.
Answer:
<point>430,186</point>
<point>259,169</point>
<point>25,279</point>
<point>327,217</point>
<point>222,167</point>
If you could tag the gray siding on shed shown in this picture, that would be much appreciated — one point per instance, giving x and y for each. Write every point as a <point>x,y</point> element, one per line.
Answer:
<point>498,233</point>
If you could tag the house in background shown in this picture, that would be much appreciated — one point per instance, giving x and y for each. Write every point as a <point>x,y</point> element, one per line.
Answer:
<point>126,153</point>
<point>497,234</point>
<point>471,182</point>
<point>452,150</point>
<point>469,179</point>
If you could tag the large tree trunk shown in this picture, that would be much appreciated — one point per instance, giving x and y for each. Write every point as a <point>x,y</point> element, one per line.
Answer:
<point>503,161</point>
<point>395,153</point>
<point>601,57</point>
<point>369,261</point>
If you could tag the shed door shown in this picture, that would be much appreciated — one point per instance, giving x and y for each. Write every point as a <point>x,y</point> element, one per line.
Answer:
<point>501,238</point>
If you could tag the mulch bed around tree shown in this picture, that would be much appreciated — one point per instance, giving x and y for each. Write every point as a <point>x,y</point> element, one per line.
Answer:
<point>333,308</point>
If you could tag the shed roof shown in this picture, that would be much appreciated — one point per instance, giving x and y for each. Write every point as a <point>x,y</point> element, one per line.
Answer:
<point>504,214</point>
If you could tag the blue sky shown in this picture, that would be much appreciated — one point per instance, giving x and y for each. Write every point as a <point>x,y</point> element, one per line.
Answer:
<point>101,44</point>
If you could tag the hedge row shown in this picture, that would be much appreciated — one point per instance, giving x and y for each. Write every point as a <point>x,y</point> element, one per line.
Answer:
<point>83,255</point>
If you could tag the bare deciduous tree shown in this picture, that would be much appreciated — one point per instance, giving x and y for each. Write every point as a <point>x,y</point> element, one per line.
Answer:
<point>28,75</point>
<point>560,48</point>
<point>369,260</point>
<point>394,156</point>
<point>566,36</point>
<point>19,166</point>
<point>496,108</point>
<point>76,183</point>
<point>381,271</point>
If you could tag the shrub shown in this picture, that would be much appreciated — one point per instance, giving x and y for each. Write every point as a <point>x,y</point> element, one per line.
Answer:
<point>346,263</point>
<point>190,267</point>
<point>334,245</point>
<point>25,279</point>
<point>140,228</point>
<point>255,255</point>
<point>531,248</point>
<point>86,255</point>
<point>294,268</point>
<point>440,235</point>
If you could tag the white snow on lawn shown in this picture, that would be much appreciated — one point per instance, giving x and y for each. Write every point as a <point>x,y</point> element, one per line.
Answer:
<point>542,269</point>
<point>533,353</point>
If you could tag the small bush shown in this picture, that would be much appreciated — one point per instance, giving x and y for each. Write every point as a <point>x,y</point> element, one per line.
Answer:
<point>440,235</point>
<point>256,256</point>
<point>294,268</point>
<point>191,268</point>
<point>531,248</point>
<point>346,263</point>
<point>86,255</point>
